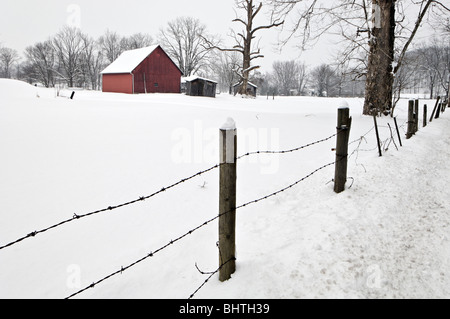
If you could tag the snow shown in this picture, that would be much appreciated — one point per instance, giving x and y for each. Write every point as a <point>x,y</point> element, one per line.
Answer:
<point>129,60</point>
<point>195,77</point>
<point>343,104</point>
<point>385,236</point>
<point>230,124</point>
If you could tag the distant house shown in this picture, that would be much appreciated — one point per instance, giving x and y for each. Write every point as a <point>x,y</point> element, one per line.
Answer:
<point>198,86</point>
<point>251,88</point>
<point>146,70</point>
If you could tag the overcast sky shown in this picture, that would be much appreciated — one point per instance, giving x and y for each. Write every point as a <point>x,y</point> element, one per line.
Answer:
<point>25,22</point>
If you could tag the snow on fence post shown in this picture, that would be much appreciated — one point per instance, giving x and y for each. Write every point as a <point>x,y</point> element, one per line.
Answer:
<point>410,131</point>
<point>344,123</point>
<point>227,200</point>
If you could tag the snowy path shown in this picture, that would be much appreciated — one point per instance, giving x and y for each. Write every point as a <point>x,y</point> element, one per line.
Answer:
<point>403,242</point>
<point>385,237</point>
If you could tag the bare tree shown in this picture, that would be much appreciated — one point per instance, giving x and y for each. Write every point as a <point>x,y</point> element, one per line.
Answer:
<point>136,41</point>
<point>68,45</point>
<point>433,63</point>
<point>244,39</point>
<point>404,78</point>
<point>92,61</point>
<point>289,75</point>
<point>325,81</point>
<point>42,61</point>
<point>110,45</point>
<point>8,57</point>
<point>375,22</point>
<point>184,41</point>
<point>225,66</point>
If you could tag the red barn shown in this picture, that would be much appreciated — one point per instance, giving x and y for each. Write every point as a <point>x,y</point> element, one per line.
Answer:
<point>146,70</point>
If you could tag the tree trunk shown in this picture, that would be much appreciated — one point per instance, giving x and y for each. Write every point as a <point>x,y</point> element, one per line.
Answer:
<point>380,79</point>
<point>247,49</point>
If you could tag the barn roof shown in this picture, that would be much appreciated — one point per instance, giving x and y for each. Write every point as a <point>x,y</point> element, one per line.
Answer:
<point>195,77</point>
<point>130,60</point>
<point>249,83</point>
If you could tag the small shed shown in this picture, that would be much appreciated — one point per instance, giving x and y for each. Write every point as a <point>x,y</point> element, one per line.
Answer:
<point>198,86</point>
<point>251,88</point>
<point>145,70</point>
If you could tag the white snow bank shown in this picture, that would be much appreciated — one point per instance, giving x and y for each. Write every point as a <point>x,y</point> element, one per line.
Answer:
<point>17,89</point>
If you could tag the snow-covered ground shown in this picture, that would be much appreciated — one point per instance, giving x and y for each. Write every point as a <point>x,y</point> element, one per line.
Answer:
<point>386,236</point>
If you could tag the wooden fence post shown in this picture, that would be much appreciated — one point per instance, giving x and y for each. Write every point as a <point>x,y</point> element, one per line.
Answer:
<point>398,132</point>
<point>438,111</point>
<point>410,131</point>
<point>377,133</point>
<point>344,123</point>
<point>416,116</point>
<point>227,200</point>
<point>434,109</point>
<point>425,110</point>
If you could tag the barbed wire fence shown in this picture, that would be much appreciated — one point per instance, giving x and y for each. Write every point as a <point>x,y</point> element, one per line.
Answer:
<point>339,158</point>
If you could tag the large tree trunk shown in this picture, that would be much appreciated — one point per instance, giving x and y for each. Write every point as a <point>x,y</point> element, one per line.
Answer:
<point>247,50</point>
<point>380,78</point>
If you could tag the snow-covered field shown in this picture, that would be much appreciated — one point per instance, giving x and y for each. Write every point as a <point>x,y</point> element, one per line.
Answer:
<point>386,236</point>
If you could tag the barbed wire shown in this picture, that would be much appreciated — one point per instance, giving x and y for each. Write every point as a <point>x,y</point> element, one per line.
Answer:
<point>110,208</point>
<point>211,275</point>
<point>291,150</point>
<point>143,198</point>
<point>190,232</point>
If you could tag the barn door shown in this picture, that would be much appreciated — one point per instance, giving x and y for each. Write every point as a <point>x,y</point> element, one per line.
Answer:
<point>201,87</point>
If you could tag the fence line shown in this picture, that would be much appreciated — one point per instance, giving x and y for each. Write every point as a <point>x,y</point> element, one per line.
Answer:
<point>164,189</point>
<point>222,264</point>
<point>290,151</point>
<point>108,209</point>
<point>190,232</point>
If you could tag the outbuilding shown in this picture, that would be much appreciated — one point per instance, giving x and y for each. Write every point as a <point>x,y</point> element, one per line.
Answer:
<point>251,88</point>
<point>198,86</point>
<point>145,70</point>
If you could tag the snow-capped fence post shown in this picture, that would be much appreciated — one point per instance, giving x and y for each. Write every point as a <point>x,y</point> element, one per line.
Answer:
<point>425,110</point>
<point>410,131</point>
<point>344,123</point>
<point>227,200</point>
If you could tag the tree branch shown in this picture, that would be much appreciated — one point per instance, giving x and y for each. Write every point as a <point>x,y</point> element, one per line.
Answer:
<point>416,27</point>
